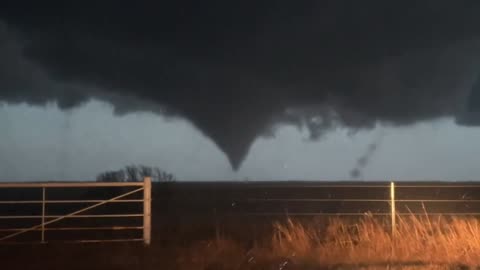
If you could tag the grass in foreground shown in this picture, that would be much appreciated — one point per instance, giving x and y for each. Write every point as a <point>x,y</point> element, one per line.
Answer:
<point>418,240</point>
<point>419,243</point>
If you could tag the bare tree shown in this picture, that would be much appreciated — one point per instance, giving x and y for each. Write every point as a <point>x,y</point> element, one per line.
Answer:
<point>135,173</point>
<point>132,173</point>
<point>146,171</point>
<point>162,176</point>
<point>111,176</point>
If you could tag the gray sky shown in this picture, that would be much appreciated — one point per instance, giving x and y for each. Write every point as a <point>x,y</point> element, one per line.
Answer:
<point>44,143</point>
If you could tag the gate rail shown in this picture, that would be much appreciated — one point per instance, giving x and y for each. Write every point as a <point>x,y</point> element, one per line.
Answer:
<point>144,187</point>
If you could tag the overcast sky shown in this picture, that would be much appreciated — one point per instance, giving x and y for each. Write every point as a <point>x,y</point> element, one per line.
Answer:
<point>44,143</point>
<point>241,89</point>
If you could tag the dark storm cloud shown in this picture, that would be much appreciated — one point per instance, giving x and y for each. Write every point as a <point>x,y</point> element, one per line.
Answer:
<point>235,68</point>
<point>22,81</point>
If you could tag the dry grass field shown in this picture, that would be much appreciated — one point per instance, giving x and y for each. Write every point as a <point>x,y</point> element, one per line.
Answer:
<point>419,243</point>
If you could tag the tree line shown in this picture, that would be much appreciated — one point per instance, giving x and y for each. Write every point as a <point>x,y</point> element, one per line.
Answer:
<point>136,173</point>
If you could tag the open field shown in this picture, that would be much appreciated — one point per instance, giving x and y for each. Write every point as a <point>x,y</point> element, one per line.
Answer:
<point>223,226</point>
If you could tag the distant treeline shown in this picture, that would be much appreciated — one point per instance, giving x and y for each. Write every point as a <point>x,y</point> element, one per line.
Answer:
<point>136,173</point>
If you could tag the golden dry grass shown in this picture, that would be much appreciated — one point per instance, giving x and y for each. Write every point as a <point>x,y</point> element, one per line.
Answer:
<point>419,243</point>
<point>340,243</point>
<point>418,240</point>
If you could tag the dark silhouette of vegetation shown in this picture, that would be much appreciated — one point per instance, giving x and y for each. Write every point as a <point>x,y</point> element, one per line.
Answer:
<point>136,173</point>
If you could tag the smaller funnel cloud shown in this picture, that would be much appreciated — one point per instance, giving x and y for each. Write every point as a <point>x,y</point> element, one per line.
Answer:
<point>364,160</point>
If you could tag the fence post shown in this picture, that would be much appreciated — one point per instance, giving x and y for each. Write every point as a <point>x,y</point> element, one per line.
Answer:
<point>43,213</point>
<point>392,207</point>
<point>217,225</point>
<point>147,210</point>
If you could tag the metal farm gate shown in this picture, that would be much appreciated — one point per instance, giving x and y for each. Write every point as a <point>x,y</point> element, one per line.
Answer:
<point>40,221</point>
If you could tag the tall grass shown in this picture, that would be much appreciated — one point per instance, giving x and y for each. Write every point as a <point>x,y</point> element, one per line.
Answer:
<point>424,240</point>
<point>341,243</point>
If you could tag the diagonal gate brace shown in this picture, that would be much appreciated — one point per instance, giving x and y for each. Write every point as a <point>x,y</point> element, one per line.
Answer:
<point>69,215</point>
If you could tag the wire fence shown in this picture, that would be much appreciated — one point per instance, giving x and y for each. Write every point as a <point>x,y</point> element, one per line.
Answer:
<point>395,201</point>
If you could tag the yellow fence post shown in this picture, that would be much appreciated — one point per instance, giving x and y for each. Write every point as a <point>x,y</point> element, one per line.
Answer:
<point>43,213</point>
<point>392,208</point>
<point>147,210</point>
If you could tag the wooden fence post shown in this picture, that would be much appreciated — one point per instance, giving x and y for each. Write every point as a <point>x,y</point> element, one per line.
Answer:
<point>392,208</point>
<point>147,210</point>
<point>43,213</point>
